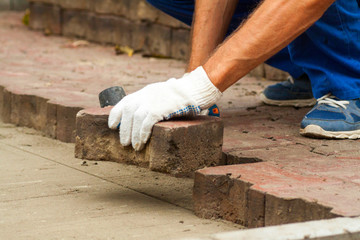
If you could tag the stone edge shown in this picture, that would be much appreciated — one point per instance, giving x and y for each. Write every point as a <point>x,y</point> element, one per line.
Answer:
<point>54,120</point>
<point>332,229</point>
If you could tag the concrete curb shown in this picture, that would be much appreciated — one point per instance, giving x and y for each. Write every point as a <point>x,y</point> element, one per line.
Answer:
<point>333,229</point>
<point>53,112</point>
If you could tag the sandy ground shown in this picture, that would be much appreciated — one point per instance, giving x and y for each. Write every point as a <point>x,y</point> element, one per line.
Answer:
<point>46,193</point>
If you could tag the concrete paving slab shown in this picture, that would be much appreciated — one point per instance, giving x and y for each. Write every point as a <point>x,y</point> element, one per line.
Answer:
<point>178,147</point>
<point>163,186</point>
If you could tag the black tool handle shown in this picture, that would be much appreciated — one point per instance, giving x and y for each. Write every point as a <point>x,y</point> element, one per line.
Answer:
<point>111,96</point>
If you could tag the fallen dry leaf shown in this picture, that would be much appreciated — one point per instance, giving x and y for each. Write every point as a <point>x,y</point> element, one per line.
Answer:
<point>77,43</point>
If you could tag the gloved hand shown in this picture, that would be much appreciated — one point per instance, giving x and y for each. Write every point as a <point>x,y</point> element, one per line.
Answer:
<point>139,111</point>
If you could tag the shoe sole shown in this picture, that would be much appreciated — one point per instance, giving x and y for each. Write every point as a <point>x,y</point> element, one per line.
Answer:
<point>315,131</point>
<point>288,103</point>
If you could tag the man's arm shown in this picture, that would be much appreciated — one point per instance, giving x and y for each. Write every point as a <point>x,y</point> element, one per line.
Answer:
<point>211,21</point>
<point>270,28</point>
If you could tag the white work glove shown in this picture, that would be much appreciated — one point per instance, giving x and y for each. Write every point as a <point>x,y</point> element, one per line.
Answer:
<point>139,111</point>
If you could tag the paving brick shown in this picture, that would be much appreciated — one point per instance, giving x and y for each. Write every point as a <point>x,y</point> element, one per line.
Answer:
<point>215,197</point>
<point>281,211</point>
<point>2,102</point>
<point>5,5</point>
<point>177,147</point>
<point>28,111</point>
<point>222,196</point>
<point>66,123</point>
<point>275,195</point>
<point>122,34</point>
<point>255,208</point>
<point>20,107</point>
<point>101,28</point>
<point>19,5</point>
<point>6,105</point>
<point>180,43</point>
<point>147,12</point>
<point>180,147</point>
<point>134,10</point>
<point>31,107</point>
<point>51,120</point>
<point>76,5</point>
<point>112,7</point>
<point>64,104</point>
<point>158,40</point>
<point>45,17</point>
<point>75,23</point>
<point>167,20</point>
<point>139,35</point>
<point>95,141</point>
<point>263,127</point>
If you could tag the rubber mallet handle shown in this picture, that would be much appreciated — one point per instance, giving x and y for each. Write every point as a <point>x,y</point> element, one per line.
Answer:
<point>111,96</point>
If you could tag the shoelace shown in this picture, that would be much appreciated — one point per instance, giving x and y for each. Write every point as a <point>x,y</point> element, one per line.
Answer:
<point>332,101</point>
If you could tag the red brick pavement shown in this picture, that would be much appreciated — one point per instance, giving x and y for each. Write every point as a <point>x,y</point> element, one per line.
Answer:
<point>287,178</point>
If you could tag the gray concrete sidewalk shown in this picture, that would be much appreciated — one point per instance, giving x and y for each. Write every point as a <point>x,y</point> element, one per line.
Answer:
<point>45,193</point>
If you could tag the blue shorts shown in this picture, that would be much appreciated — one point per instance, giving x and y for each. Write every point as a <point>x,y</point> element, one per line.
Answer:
<point>329,51</point>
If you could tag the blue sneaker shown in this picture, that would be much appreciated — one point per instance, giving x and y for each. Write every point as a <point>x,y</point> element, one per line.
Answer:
<point>333,118</point>
<point>293,92</point>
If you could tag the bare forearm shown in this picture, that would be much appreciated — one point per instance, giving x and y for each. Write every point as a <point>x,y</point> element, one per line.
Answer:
<point>211,22</point>
<point>271,27</point>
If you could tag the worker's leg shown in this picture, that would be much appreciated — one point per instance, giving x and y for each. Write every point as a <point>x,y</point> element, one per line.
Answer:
<point>293,93</point>
<point>329,52</point>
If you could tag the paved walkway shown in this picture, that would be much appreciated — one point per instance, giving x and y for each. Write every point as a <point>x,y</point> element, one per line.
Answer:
<point>34,63</point>
<point>320,172</point>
